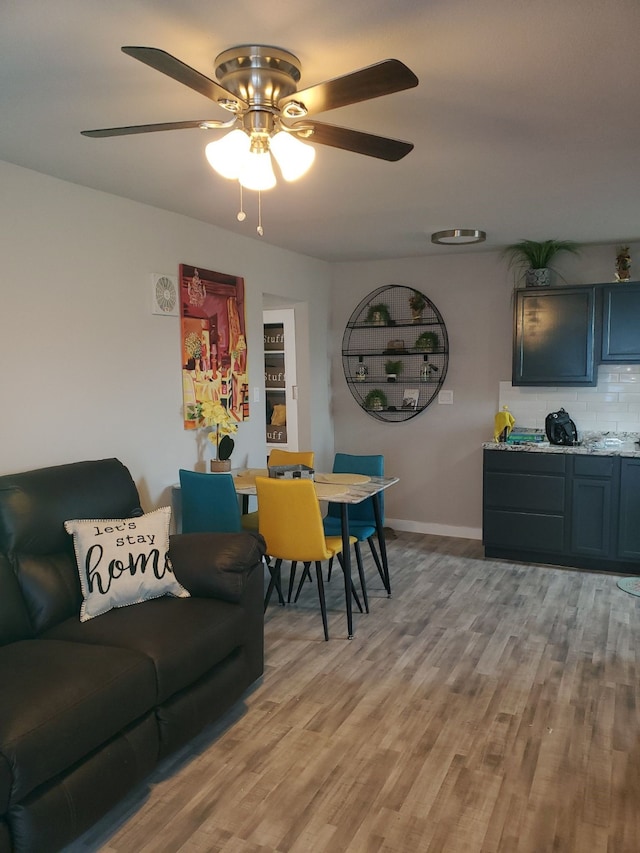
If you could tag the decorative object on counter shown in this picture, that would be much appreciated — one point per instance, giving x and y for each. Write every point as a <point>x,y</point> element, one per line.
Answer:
<point>560,428</point>
<point>427,342</point>
<point>533,259</point>
<point>208,415</point>
<point>426,369</point>
<point>378,315</point>
<point>376,400</point>
<point>623,263</point>
<point>417,303</point>
<point>362,371</point>
<point>392,369</point>
<point>526,436</point>
<point>503,423</point>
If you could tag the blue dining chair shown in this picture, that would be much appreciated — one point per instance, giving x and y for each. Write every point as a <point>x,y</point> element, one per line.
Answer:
<point>362,520</point>
<point>209,503</point>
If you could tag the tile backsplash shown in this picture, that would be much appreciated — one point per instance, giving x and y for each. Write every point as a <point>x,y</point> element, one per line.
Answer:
<point>613,405</point>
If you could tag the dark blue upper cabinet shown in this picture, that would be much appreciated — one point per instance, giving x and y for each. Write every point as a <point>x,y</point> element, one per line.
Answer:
<point>555,334</point>
<point>621,323</point>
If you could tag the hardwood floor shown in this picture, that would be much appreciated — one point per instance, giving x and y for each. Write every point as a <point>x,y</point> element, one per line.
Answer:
<point>487,707</point>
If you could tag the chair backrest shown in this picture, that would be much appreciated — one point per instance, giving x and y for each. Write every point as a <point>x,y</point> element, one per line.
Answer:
<point>290,519</point>
<point>373,466</point>
<point>209,503</point>
<point>291,457</point>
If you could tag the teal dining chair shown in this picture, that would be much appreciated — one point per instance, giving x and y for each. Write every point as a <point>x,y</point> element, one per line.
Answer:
<point>209,503</point>
<point>362,519</point>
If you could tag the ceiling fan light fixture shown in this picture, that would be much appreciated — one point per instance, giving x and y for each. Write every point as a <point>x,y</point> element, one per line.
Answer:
<point>256,171</point>
<point>458,236</point>
<point>227,155</point>
<point>292,156</point>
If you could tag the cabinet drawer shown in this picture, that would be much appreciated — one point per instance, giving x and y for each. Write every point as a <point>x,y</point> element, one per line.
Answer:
<point>593,466</point>
<point>533,492</point>
<point>524,462</point>
<point>523,531</point>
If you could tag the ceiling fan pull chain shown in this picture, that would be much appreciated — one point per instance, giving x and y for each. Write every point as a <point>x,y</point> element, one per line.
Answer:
<point>260,229</point>
<point>241,214</point>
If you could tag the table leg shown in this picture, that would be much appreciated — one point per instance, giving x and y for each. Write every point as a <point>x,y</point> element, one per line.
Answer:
<point>382,543</point>
<point>346,555</point>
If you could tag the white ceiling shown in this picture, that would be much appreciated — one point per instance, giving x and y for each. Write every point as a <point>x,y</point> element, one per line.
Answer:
<point>526,121</point>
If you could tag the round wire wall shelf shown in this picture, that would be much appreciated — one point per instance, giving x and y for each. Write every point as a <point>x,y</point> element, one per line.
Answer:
<point>395,353</point>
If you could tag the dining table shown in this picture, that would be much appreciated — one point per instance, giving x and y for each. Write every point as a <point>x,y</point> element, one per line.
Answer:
<point>343,489</point>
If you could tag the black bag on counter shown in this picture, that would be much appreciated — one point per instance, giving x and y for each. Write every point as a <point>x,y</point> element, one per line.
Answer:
<point>560,428</point>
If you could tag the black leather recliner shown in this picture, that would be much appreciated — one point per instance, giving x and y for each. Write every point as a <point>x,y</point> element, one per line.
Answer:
<point>88,709</point>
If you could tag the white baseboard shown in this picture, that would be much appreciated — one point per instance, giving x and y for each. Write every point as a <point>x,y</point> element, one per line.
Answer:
<point>434,529</point>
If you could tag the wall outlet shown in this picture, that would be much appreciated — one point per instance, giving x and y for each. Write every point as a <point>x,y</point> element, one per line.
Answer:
<point>445,398</point>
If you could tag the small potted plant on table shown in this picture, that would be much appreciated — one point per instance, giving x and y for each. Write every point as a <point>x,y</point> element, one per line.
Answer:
<point>209,414</point>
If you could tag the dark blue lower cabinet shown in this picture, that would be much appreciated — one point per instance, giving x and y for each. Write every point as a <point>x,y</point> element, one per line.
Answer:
<point>629,515</point>
<point>564,509</point>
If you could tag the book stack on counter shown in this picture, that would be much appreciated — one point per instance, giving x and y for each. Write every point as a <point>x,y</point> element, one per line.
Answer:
<point>526,436</point>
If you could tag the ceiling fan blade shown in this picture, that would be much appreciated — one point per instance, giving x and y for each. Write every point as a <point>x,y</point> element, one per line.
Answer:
<point>354,140</point>
<point>384,78</point>
<point>152,128</point>
<point>172,67</point>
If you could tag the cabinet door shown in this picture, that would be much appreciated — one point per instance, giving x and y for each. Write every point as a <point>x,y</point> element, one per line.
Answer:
<point>591,517</point>
<point>621,323</point>
<point>554,336</point>
<point>592,508</point>
<point>629,519</point>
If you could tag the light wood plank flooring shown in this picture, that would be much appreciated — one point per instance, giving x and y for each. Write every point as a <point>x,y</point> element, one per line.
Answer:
<point>487,707</point>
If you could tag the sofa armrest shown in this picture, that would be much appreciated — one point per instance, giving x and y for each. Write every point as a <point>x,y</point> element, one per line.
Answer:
<point>216,565</point>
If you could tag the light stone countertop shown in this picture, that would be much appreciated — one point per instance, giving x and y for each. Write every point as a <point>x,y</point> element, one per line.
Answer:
<point>591,444</point>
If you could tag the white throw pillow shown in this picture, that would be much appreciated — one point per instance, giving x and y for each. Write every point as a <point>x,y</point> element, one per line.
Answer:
<point>123,561</point>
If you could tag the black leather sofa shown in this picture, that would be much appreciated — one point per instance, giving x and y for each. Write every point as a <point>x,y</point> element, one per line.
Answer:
<point>87,709</point>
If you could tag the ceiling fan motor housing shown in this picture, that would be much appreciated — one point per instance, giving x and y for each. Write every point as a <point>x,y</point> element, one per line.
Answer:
<point>258,74</point>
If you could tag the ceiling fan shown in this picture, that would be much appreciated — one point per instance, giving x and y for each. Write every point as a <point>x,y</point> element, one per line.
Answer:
<point>257,85</point>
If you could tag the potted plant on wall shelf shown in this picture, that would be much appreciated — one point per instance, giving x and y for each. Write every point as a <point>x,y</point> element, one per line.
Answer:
<point>378,315</point>
<point>417,303</point>
<point>376,400</point>
<point>427,342</point>
<point>392,369</point>
<point>533,259</point>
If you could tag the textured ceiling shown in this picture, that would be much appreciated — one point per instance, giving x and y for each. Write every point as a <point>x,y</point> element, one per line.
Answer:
<point>525,121</point>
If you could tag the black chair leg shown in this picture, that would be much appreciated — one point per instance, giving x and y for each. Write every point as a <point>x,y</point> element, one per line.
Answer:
<point>330,568</point>
<point>292,579</point>
<point>376,560</point>
<point>353,588</point>
<point>323,606</point>
<point>305,573</point>
<point>363,583</point>
<point>274,581</point>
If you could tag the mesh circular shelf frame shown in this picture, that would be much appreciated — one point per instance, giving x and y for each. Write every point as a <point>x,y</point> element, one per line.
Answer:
<point>395,330</point>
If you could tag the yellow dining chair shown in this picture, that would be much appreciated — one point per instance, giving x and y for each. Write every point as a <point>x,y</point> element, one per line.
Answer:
<point>277,456</point>
<point>291,524</point>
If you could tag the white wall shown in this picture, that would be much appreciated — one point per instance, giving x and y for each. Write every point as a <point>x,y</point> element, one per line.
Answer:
<point>88,372</point>
<point>437,454</point>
